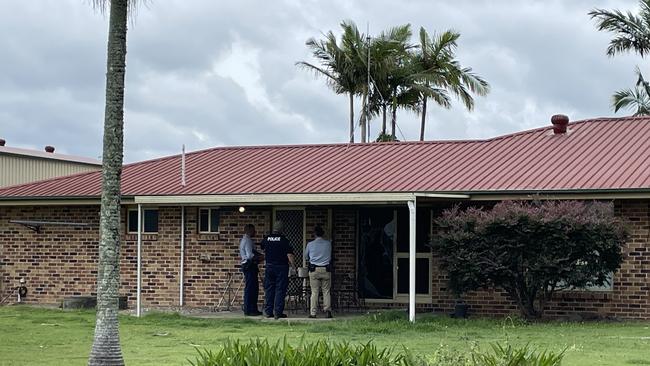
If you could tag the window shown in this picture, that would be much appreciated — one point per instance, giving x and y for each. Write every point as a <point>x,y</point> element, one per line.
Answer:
<point>208,220</point>
<point>607,286</point>
<point>149,221</point>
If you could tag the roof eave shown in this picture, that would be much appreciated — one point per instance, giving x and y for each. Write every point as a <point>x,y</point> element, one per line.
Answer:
<point>55,200</point>
<point>527,194</point>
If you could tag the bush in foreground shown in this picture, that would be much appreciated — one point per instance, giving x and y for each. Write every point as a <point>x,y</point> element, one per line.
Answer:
<point>322,353</point>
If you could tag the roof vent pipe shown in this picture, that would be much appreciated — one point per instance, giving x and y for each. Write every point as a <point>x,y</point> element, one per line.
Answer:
<point>560,123</point>
<point>49,149</point>
<point>2,142</point>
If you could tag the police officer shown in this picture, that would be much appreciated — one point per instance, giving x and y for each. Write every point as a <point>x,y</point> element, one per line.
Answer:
<point>319,256</point>
<point>249,258</point>
<point>278,254</point>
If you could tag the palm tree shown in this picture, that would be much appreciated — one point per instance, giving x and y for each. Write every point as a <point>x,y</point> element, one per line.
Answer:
<point>340,69</point>
<point>632,31</point>
<point>106,344</point>
<point>637,98</point>
<point>355,47</point>
<point>391,74</point>
<point>440,74</point>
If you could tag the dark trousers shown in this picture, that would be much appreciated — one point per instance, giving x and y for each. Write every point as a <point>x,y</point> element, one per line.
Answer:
<point>276,280</point>
<point>251,290</point>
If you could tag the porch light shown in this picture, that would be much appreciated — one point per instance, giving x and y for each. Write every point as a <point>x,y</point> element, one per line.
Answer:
<point>242,209</point>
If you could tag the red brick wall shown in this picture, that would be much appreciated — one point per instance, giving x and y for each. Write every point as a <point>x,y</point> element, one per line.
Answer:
<point>629,298</point>
<point>344,252</point>
<point>211,258</point>
<point>61,261</point>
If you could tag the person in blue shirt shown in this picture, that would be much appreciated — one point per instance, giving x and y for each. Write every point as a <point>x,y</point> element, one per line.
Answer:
<point>278,254</point>
<point>249,258</point>
<point>319,256</point>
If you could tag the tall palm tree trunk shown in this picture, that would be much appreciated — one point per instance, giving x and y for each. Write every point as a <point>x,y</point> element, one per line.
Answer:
<point>393,121</point>
<point>424,118</point>
<point>364,118</point>
<point>106,344</point>
<point>383,120</point>
<point>351,117</point>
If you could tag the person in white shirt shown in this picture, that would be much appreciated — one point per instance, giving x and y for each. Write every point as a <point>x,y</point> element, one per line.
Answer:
<point>249,258</point>
<point>319,256</point>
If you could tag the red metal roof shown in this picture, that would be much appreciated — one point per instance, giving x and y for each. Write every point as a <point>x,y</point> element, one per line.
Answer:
<point>597,154</point>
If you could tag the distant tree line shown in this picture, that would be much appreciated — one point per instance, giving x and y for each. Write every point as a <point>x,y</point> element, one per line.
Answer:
<point>389,72</point>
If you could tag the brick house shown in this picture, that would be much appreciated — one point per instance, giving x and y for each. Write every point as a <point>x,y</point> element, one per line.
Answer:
<point>377,201</point>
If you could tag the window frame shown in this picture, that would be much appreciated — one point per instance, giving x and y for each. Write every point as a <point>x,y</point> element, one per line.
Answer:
<point>128,220</point>
<point>210,211</point>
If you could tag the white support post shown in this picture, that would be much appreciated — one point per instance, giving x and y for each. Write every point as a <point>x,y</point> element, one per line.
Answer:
<point>138,308</point>
<point>412,255</point>
<point>181,274</point>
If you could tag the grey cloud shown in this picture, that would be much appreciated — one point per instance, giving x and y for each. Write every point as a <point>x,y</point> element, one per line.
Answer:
<point>541,58</point>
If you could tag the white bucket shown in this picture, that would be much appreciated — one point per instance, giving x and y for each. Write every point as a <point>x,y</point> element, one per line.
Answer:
<point>303,272</point>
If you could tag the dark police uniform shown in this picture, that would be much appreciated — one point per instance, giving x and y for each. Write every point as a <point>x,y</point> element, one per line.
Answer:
<point>276,274</point>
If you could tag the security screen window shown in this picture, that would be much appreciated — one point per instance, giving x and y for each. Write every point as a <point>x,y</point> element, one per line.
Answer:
<point>209,220</point>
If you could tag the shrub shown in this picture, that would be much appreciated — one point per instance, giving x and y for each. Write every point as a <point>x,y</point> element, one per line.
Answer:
<point>512,356</point>
<point>321,353</point>
<point>530,250</point>
<point>262,353</point>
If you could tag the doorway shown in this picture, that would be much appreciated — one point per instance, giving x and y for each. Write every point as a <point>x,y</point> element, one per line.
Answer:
<point>293,220</point>
<point>383,260</point>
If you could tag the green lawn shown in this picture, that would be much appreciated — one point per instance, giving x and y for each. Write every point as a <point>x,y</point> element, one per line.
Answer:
<point>30,336</point>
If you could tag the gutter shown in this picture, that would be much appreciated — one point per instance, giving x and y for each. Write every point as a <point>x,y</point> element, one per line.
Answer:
<point>280,199</point>
<point>287,199</point>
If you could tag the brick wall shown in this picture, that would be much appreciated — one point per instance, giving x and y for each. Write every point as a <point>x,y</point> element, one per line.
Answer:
<point>629,298</point>
<point>344,252</point>
<point>61,261</point>
<point>210,259</point>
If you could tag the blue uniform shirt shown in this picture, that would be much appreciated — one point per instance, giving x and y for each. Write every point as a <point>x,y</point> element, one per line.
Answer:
<point>276,247</point>
<point>319,252</point>
<point>246,249</point>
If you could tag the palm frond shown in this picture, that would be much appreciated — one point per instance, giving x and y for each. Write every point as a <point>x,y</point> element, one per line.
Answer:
<point>634,99</point>
<point>103,5</point>
<point>631,31</point>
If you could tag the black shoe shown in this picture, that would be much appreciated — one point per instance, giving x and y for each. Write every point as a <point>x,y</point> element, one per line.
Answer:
<point>312,316</point>
<point>268,315</point>
<point>280,316</point>
<point>253,313</point>
<point>329,315</point>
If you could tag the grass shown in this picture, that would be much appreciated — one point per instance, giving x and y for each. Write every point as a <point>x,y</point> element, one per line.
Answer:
<point>31,336</point>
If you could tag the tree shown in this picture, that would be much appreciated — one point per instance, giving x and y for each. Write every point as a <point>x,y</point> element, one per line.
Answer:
<point>391,74</point>
<point>530,250</point>
<point>338,64</point>
<point>637,99</point>
<point>439,73</point>
<point>631,33</point>
<point>106,344</point>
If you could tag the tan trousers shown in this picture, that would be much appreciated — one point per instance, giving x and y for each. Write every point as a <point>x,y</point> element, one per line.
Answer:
<point>318,279</point>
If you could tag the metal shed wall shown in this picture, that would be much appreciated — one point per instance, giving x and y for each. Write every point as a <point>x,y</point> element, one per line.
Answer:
<point>16,169</point>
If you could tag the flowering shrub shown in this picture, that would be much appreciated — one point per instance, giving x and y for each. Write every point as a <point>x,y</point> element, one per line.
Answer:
<point>530,249</point>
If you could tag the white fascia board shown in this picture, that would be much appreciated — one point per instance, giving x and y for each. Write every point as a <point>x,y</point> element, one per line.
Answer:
<point>444,196</point>
<point>279,199</point>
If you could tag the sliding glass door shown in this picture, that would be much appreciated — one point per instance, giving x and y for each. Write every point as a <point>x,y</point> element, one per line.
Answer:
<point>383,267</point>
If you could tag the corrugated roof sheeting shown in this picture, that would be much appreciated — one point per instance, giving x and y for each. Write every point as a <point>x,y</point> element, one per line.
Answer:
<point>599,154</point>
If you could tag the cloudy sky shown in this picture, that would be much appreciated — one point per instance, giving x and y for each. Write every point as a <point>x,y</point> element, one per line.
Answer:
<point>211,73</point>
